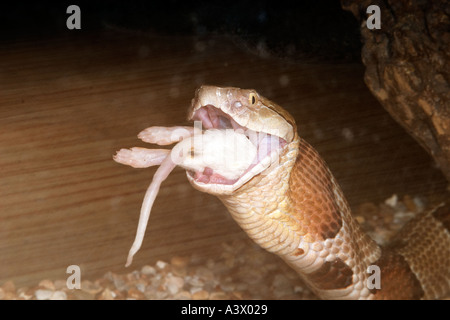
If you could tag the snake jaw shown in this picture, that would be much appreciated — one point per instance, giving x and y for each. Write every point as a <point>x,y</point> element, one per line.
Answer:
<point>237,109</point>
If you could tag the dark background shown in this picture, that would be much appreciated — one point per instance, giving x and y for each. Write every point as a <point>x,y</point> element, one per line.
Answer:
<point>294,30</point>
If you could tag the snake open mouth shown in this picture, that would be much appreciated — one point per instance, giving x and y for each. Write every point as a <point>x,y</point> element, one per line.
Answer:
<point>267,148</point>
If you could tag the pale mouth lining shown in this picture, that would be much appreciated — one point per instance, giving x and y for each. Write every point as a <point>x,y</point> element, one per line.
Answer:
<point>268,146</point>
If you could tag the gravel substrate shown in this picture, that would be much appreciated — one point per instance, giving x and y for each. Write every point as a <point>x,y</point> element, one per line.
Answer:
<point>241,271</point>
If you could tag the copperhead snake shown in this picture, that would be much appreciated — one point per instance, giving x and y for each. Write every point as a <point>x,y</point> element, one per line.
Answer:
<point>289,203</point>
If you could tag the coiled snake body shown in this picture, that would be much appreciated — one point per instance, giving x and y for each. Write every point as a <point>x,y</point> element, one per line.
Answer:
<point>289,203</point>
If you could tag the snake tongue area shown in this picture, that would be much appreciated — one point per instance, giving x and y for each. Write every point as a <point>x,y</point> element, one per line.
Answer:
<point>209,176</point>
<point>212,117</point>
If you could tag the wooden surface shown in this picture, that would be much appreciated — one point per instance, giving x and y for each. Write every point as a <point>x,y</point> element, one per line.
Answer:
<point>67,104</point>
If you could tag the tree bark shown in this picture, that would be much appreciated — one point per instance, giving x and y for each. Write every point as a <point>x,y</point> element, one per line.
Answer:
<point>408,67</point>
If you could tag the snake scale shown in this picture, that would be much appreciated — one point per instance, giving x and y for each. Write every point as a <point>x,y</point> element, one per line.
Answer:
<point>290,204</point>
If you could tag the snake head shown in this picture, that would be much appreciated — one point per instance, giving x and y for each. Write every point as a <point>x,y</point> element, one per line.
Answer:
<point>266,124</point>
<point>244,108</point>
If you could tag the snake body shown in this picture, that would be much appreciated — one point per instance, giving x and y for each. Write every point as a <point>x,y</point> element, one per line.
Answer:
<point>291,205</point>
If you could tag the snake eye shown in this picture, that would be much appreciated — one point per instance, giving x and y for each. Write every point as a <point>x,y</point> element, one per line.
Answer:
<point>252,98</point>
